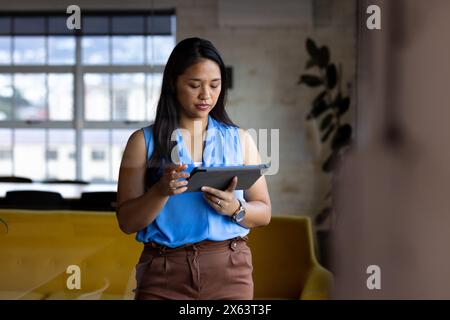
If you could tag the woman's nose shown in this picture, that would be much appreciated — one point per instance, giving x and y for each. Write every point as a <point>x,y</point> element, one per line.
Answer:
<point>204,94</point>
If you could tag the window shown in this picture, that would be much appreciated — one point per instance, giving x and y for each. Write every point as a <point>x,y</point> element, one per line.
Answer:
<point>98,155</point>
<point>52,154</point>
<point>6,147</point>
<point>73,97</point>
<point>5,154</point>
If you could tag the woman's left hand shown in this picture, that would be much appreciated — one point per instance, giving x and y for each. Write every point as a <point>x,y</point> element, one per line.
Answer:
<point>224,202</point>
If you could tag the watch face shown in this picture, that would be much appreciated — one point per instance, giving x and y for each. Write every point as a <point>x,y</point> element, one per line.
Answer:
<point>240,216</point>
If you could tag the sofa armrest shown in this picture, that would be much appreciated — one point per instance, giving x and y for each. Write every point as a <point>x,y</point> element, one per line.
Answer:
<point>318,284</point>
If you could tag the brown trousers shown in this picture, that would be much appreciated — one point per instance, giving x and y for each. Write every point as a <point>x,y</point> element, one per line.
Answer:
<point>207,270</point>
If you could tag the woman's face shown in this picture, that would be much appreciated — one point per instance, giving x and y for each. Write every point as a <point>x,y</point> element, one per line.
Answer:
<point>198,88</point>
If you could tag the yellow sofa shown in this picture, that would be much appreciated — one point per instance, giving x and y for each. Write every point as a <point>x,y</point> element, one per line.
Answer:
<point>285,265</point>
<point>37,248</point>
<point>40,245</point>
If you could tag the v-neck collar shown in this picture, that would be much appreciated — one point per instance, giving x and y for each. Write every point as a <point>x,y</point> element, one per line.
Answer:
<point>184,154</point>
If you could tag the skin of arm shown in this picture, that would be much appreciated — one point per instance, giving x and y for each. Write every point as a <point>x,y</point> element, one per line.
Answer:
<point>258,208</point>
<point>136,208</point>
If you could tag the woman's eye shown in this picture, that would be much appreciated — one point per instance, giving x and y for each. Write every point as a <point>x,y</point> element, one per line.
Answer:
<point>196,87</point>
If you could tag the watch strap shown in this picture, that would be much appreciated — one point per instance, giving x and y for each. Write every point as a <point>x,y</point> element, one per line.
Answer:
<point>240,209</point>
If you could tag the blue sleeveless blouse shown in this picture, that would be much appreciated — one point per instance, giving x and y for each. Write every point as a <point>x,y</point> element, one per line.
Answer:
<point>188,218</point>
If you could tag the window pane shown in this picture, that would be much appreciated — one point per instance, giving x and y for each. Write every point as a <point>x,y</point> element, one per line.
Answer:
<point>6,152</point>
<point>96,93</point>
<point>159,48</point>
<point>29,50</point>
<point>159,24</point>
<point>58,25</point>
<point>29,25</point>
<point>119,141</point>
<point>29,98</point>
<point>29,143</point>
<point>61,50</point>
<point>6,93</point>
<point>95,25</point>
<point>61,145</point>
<point>60,96</point>
<point>51,154</point>
<point>128,97</point>
<point>154,83</point>
<point>128,25</point>
<point>5,50</point>
<point>5,25</point>
<point>96,155</point>
<point>95,50</point>
<point>128,49</point>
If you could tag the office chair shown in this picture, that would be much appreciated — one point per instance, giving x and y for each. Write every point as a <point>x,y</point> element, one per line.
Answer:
<point>34,199</point>
<point>15,179</point>
<point>284,261</point>
<point>66,181</point>
<point>98,201</point>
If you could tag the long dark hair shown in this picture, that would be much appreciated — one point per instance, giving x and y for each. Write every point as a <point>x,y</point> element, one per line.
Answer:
<point>186,53</point>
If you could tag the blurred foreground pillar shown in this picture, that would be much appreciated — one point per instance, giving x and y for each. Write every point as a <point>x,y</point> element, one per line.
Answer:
<point>392,195</point>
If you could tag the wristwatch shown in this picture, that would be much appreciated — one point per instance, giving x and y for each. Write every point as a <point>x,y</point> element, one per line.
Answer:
<point>239,215</point>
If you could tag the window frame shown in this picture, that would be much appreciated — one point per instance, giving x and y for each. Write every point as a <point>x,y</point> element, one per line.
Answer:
<point>78,70</point>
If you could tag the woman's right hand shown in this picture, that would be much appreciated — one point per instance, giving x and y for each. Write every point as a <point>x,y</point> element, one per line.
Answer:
<point>168,184</point>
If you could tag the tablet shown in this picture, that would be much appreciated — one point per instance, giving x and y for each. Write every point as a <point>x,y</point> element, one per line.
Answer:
<point>220,177</point>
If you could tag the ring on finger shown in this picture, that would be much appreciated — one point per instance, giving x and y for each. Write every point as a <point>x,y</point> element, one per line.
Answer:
<point>218,202</point>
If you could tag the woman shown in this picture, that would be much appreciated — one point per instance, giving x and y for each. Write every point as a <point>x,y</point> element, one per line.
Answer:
<point>194,246</point>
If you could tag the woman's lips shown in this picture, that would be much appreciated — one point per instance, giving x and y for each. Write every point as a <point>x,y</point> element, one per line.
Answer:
<point>202,107</point>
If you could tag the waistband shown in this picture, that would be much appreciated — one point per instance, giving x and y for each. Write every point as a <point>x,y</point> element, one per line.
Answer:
<point>232,243</point>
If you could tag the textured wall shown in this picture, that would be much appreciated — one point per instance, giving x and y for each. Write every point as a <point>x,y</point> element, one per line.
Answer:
<point>267,59</point>
<point>268,55</point>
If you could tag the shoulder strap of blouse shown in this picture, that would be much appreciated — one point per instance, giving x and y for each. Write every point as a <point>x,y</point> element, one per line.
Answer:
<point>148,135</point>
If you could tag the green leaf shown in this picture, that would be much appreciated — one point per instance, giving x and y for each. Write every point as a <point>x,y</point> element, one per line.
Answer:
<point>326,122</point>
<point>330,163</point>
<point>322,215</point>
<point>319,108</point>
<point>328,133</point>
<point>343,105</point>
<point>311,63</point>
<point>324,57</point>
<point>312,49</point>
<point>337,100</point>
<point>319,97</point>
<point>310,80</point>
<point>342,137</point>
<point>331,76</point>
